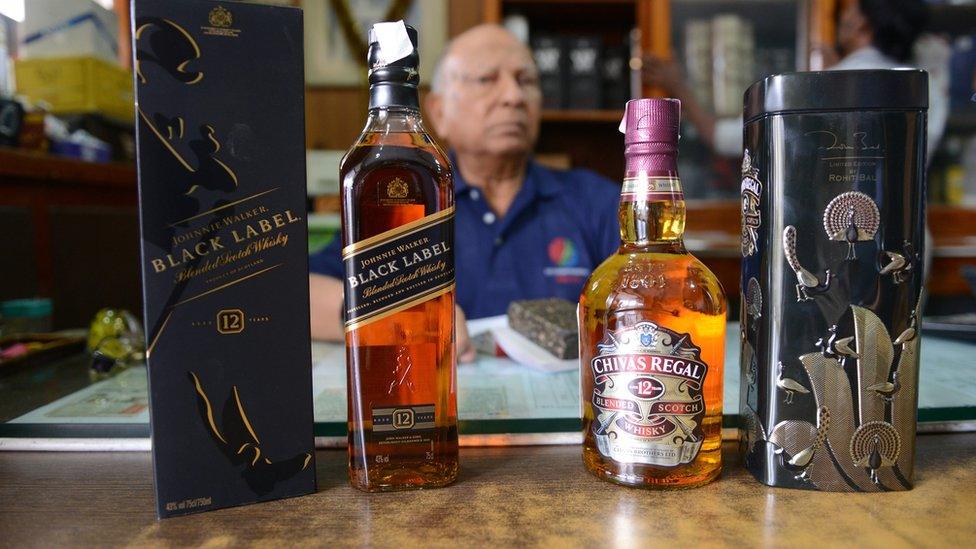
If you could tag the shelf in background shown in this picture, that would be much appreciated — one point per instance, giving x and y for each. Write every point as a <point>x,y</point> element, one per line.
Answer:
<point>952,19</point>
<point>20,165</point>
<point>962,121</point>
<point>599,2</point>
<point>573,115</point>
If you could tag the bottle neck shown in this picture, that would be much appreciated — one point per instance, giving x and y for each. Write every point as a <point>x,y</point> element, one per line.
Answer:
<point>396,119</point>
<point>656,159</point>
<point>652,205</point>
<point>392,94</point>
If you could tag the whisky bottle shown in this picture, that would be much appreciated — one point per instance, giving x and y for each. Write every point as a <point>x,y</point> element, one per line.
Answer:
<point>398,251</point>
<point>652,328</point>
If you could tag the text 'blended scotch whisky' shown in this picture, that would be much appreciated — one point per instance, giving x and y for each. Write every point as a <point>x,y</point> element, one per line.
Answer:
<point>652,328</point>
<point>398,250</point>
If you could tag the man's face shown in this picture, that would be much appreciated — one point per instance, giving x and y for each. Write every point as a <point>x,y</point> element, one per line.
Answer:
<point>491,97</point>
<point>849,27</point>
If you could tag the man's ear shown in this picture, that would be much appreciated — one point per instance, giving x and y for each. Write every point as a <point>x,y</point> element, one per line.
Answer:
<point>434,112</point>
<point>863,25</point>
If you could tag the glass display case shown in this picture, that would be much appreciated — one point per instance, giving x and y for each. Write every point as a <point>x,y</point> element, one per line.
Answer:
<point>501,401</point>
<point>55,403</point>
<point>724,47</point>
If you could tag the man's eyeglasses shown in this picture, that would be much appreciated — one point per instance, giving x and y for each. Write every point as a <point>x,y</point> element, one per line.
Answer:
<point>487,82</point>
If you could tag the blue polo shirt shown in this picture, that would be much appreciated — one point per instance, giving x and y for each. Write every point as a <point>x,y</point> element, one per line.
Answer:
<point>561,225</point>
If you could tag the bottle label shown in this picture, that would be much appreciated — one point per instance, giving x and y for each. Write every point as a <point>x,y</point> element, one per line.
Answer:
<point>398,269</point>
<point>403,424</point>
<point>644,188</point>
<point>751,214</point>
<point>647,395</point>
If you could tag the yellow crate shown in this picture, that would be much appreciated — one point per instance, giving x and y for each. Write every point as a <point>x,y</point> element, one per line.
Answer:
<point>72,85</point>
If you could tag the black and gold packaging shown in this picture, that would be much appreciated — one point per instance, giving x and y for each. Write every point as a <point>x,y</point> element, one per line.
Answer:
<point>833,217</point>
<point>221,158</point>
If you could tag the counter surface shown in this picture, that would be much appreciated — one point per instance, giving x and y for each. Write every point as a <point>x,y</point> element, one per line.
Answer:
<point>518,496</point>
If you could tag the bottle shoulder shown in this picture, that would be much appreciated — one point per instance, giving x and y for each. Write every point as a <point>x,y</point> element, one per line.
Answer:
<point>394,138</point>
<point>414,152</point>
<point>647,280</point>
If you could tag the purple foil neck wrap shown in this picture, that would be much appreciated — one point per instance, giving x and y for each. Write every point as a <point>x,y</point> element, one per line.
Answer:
<point>651,136</point>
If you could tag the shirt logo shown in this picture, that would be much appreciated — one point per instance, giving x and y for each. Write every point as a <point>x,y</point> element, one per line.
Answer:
<point>563,252</point>
<point>566,257</point>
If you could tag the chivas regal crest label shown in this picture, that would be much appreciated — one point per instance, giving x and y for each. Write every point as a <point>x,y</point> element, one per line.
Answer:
<point>647,396</point>
<point>399,268</point>
<point>751,217</point>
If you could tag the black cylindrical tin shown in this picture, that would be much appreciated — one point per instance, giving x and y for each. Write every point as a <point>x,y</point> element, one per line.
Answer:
<point>833,205</point>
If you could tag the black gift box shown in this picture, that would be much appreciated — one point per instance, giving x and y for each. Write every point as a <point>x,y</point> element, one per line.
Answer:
<point>221,161</point>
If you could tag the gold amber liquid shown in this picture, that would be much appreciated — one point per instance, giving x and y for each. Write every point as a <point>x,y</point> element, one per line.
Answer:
<point>652,278</point>
<point>408,358</point>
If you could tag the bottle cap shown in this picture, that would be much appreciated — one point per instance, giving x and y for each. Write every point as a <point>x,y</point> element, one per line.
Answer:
<point>651,121</point>
<point>392,55</point>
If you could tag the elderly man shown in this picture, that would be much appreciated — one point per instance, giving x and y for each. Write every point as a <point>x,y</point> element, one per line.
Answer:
<point>523,231</point>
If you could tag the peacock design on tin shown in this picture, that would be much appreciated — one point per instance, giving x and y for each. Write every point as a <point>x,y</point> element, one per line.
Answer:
<point>868,442</point>
<point>875,444</point>
<point>754,299</point>
<point>798,442</point>
<point>807,283</point>
<point>851,217</point>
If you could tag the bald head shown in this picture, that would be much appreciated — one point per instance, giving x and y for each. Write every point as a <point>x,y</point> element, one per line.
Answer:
<point>471,45</point>
<point>485,94</point>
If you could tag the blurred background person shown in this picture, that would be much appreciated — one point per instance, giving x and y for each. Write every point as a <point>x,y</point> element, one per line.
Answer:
<point>522,230</point>
<point>871,34</point>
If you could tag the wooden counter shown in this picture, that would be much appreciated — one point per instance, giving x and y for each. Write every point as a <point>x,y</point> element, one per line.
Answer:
<point>506,496</point>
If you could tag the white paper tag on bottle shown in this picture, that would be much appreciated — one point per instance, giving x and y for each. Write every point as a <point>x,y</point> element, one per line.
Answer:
<point>394,42</point>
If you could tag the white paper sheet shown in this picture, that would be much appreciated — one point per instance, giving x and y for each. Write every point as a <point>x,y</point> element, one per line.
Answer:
<point>518,347</point>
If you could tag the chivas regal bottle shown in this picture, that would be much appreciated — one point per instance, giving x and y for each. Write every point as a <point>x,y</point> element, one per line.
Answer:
<point>652,328</point>
<point>398,249</point>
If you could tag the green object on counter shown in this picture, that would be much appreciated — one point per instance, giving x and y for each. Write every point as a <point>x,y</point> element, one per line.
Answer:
<point>26,308</point>
<point>116,340</point>
<point>113,323</point>
<point>25,316</point>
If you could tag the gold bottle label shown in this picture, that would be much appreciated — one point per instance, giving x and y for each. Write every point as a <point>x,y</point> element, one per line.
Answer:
<point>647,396</point>
<point>398,269</point>
<point>403,424</point>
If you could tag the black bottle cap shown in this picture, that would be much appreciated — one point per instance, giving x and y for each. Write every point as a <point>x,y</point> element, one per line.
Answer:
<point>393,66</point>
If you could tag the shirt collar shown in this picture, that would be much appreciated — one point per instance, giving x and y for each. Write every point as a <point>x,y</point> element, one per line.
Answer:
<point>539,181</point>
<point>868,57</point>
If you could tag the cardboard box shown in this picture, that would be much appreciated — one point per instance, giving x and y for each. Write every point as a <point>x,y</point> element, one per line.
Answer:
<point>74,85</point>
<point>221,161</point>
<point>62,28</point>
